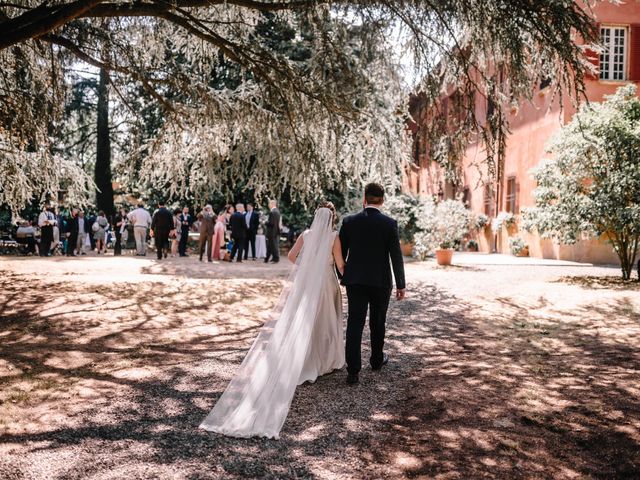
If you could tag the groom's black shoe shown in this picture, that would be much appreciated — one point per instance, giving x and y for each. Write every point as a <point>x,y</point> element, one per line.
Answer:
<point>352,378</point>
<point>385,360</point>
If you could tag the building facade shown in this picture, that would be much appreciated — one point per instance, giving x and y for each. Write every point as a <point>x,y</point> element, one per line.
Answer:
<point>532,125</point>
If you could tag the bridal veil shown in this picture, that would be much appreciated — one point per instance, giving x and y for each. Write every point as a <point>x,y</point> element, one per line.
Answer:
<point>257,400</point>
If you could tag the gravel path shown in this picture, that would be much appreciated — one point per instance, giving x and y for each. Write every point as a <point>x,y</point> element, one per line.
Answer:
<point>108,365</point>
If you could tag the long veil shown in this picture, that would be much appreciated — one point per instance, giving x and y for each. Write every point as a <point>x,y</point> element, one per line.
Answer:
<point>257,400</point>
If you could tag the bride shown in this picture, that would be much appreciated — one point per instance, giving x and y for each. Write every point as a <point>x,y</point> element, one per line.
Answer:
<point>301,341</point>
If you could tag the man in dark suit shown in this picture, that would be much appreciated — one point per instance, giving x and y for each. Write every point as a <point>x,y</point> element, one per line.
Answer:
<point>252,220</point>
<point>273,233</point>
<point>161,225</point>
<point>238,232</point>
<point>72,229</point>
<point>369,239</point>
<point>185,222</point>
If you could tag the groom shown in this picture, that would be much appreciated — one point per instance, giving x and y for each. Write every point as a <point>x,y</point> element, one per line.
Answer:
<point>369,239</point>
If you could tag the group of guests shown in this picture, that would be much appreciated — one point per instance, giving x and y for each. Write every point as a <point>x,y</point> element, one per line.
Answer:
<point>69,233</point>
<point>230,235</point>
<point>243,225</point>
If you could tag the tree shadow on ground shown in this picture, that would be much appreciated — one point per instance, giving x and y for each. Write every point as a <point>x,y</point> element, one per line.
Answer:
<point>519,390</point>
<point>601,283</point>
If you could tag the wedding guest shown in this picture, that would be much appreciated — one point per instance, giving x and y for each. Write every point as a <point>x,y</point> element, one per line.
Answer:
<point>185,225</point>
<point>72,232</point>
<point>252,219</point>
<point>46,222</point>
<point>207,227</point>
<point>238,232</point>
<point>58,230</point>
<point>120,221</point>
<point>83,230</point>
<point>99,233</point>
<point>229,210</point>
<point>273,233</point>
<point>26,234</point>
<point>141,221</point>
<point>176,234</point>
<point>161,226</point>
<point>218,235</point>
<point>195,226</point>
<point>91,219</point>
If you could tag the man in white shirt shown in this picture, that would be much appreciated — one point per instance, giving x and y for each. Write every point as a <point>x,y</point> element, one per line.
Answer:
<point>46,222</point>
<point>141,221</point>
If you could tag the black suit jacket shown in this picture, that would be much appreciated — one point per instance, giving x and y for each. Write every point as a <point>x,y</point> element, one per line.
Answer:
<point>162,220</point>
<point>238,225</point>
<point>273,223</point>
<point>72,226</point>
<point>369,239</point>
<point>254,222</point>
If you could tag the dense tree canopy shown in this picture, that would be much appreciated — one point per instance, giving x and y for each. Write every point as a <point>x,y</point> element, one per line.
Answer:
<point>321,107</point>
<point>592,184</point>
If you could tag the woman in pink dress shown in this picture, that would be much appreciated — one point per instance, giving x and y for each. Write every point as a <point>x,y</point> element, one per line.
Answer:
<point>218,235</point>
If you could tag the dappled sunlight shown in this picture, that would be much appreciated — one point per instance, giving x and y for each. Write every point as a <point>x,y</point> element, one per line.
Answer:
<point>539,379</point>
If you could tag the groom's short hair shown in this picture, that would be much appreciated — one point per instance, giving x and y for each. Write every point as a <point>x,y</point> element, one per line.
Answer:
<point>374,193</point>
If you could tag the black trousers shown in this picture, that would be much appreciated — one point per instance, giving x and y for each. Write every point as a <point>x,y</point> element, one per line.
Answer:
<point>182,245</point>
<point>238,246</point>
<point>46,237</point>
<point>251,240</point>
<point>376,300</point>
<point>72,242</point>
<point>273,249</point>
<point>162,241</point>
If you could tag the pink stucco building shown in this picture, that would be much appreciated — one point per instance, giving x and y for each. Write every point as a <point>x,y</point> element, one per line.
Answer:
<point>532,124</point>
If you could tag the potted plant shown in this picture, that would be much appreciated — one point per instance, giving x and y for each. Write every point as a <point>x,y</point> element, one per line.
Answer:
<point>506,219</point>
<point>480,221</point>
<point>518,247</point>
<point>441,227</point>
<point>403,208</point>
<point>472,246</point>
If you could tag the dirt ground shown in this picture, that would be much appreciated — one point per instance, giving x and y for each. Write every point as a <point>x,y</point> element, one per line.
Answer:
<point>108,365</point>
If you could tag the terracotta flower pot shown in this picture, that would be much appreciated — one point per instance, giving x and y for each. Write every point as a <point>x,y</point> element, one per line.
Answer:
<point>523,253</point>
<point>406,248</point>
<point>444,256</point>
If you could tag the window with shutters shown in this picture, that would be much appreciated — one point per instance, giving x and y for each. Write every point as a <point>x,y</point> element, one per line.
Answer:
<point>613,61</point>
<point>512,195</point>
<point>488,201</point>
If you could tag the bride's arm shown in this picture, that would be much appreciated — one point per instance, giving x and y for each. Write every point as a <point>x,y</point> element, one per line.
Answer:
<point>295,251</point>
<point>337,255</point>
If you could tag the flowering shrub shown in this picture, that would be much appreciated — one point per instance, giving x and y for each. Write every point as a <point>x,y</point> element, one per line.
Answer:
<point>517,245</point>
<point>592,185</point>
<point>480,221</point>
<point>504,218</point>
<point>404,209</point>
<point>441,226</point>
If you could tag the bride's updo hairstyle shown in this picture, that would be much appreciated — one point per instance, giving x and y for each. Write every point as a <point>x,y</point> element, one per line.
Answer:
<point>330,206</point>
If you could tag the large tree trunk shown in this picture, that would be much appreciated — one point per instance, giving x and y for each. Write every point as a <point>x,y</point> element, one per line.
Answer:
<point>104,194</point>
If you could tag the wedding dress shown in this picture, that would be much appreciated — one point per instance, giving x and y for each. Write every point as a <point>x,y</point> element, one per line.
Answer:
<point>302,340</point>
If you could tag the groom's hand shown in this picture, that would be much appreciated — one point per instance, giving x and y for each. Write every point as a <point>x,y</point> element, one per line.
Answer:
<point>400,292</point>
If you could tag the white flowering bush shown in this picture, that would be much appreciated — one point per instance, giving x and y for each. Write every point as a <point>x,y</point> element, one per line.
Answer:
<point>517,245</point>
<point>592,185</point>
<point>440,226</point>
<point>404,209</point>
<point>480,221</point>
<point>503,219</point>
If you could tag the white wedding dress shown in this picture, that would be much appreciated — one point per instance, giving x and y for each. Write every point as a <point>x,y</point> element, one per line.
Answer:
<point>302,340</point>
